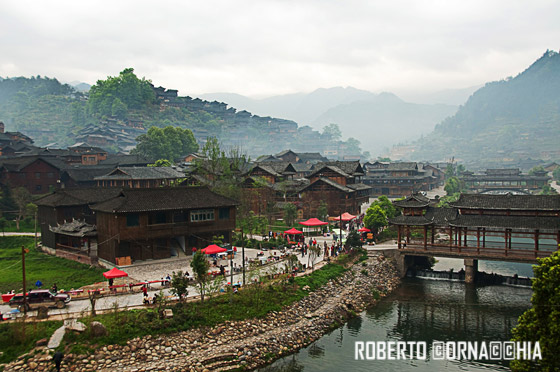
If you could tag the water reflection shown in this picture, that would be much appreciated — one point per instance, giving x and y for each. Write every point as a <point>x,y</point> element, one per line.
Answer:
<point>420,310</point>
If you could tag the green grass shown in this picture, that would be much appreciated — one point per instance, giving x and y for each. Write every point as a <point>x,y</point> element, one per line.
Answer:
<point>16,342</point>
<point>39,266</point>
<point>25,225</point>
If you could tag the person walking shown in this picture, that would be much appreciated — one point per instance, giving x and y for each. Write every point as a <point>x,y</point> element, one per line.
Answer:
<point>57,359</point>
<point>145,290</point>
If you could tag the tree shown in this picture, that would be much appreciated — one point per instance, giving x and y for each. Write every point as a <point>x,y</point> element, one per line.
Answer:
<point>332,132</point>
<point>180,285</point>
<point>387,206</point>
<point>556,174</point>
<point>3,223</point>
<point>542,321</point>
<point>200,267</point>
<point>453,185</point>
<point>168,143</point>
<point>222,170</point>
<point>117,95</point>
<point>375,218</point>
<point>21,197</point>
<point>161,163</point>
<point>314,252</point>
<point>322,211</point>
<point>536,169</point>
<point>353,146</point>
<point>547,190</point>
<point>353,240</point>
<point>449,170</point>
<point>290,214</point>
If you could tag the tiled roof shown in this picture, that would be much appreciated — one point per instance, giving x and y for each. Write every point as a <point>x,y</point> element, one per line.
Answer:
<point>162,199</point>
<point>434,215</point>
<point>86,173</point>
<point>528,223</point>
<point>20,162</point>
<point>508,202</point>
<point>358,186</point>
<point>402,166</point>
<point>75,228</point>
<point>330,183</point>
<point>77,196</point>
<point>413,201</point>
<point>124,160</point>
<point>352,168</point>
<point>141,173</point>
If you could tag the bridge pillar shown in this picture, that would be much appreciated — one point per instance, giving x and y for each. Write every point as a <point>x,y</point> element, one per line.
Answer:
<point>471,267</point>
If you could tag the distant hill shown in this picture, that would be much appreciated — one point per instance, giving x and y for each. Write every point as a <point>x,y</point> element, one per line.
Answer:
<point>376,120</point>
<point>504,122</point>
<point>80,86</point>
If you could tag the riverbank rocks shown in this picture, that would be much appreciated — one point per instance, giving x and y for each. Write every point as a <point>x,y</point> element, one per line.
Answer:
<point>240,345</point>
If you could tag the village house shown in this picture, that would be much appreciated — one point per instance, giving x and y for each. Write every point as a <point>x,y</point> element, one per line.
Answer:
<point>121,225</point>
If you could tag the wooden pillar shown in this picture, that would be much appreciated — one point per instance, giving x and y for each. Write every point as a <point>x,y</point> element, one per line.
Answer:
<point>450,237</point>
<point>506,241</point>
<point>484,237</point>
<point>536,243</point>
<point>466,233</point>
<point>399,227</point>
<point>459,230</point>
<point>425,237</point>
<point>478,240</point>
<point>433,234</point>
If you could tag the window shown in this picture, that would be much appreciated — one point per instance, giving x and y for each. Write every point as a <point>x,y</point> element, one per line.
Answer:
<point>157,218</point>
<point>132,219</point>
<point>38,187</point>
<point>180,216</point>
<point>37,175</point>
<point>201,215</point>
<point>50,175</point>
<point>224,214</point>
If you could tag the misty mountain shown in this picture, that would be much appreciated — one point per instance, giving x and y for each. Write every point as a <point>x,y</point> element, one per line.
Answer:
<point>80,86</point>
<point>384,121</point>
<point>505,121</point>
<point>455,97</point>
<point>376,120</point>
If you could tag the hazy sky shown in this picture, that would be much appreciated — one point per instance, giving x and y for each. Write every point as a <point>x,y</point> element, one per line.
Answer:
<point>267,47</point>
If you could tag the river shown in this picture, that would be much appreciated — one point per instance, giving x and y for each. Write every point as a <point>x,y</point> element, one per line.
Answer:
<point>422,310</point>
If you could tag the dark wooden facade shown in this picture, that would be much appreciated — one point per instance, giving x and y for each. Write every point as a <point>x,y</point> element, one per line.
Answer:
<point>141,223</point>
<point>37,175</point>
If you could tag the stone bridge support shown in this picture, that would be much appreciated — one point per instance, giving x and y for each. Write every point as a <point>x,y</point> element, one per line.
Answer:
<point>471,268</point>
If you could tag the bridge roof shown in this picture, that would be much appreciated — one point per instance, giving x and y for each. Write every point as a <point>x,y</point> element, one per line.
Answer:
<point>434,215</point>
<point>413,201</point>
<point>516,223</point>
<point>508,202</point>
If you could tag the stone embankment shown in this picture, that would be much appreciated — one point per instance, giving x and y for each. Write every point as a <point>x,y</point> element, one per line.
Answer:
<point>240,345</point>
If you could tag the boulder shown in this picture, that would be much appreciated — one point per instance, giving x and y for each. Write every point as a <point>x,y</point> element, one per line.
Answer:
<point>42,312</point>
<point>98,329</point>
<point>74,325</point>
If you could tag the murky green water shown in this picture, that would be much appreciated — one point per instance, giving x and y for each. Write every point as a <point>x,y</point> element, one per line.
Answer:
<point>419,310</point>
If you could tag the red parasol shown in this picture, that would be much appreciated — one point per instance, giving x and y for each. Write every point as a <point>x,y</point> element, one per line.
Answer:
<point>213,249</point>
<point>293,231</point>
<point>364,229</point>
<point>114,273</point>
<point>313,222</point>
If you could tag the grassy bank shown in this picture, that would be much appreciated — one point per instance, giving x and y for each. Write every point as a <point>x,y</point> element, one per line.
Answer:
<point>39,266</point>
<point>17,339</point>
<point>254,301</point>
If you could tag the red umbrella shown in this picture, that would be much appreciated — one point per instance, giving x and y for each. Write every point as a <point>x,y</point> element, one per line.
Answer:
<point>293,231</point>
<point>313,222</point>
<point>364,229</point>
<point>213,249</point>
<point>114,273</point>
